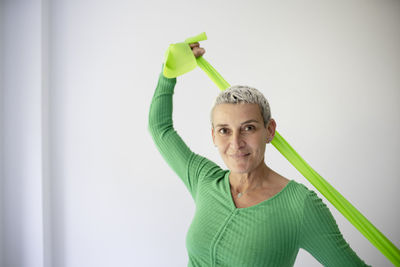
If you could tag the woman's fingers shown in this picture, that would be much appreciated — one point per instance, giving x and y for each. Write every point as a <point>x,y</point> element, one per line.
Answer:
<point>192,45</point>
<point>198,51</point>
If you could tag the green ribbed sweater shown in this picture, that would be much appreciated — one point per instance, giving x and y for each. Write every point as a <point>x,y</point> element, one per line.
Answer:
<point>267,234</point>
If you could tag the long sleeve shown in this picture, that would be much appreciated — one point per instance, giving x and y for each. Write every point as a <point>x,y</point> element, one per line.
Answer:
<point>320,235</point>
<point>190,167</point>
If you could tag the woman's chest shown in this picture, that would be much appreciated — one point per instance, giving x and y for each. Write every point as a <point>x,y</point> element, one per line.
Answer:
<point>251,236</point>
<point>243,237</point>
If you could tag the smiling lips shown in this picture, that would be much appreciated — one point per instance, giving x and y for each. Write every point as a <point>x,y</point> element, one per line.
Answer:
<point>239,156</point>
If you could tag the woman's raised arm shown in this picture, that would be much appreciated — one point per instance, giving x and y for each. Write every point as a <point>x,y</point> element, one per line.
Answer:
<point>187,165</point>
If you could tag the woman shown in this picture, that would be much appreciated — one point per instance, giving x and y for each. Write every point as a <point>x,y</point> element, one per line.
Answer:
<point>248,215</point>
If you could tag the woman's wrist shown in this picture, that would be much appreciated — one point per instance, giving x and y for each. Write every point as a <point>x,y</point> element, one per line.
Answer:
<point>165,78</point>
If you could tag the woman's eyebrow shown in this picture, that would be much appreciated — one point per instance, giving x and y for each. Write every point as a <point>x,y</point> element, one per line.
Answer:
<point>256,121</point>
<point>245,122</point>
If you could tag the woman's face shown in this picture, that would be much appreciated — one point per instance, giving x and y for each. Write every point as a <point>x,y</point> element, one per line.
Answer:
<point>239,133</point>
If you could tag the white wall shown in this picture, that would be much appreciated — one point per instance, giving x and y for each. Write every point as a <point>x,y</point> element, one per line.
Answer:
<point>1,137</point>
<point>21,180</point>
<point>329,69</point>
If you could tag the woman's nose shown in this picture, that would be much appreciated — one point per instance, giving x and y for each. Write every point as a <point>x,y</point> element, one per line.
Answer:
<point>236,140</point>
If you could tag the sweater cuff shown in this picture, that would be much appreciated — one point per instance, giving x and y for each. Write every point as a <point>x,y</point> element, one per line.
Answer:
<point>169,80</point>
<point>166,84</point>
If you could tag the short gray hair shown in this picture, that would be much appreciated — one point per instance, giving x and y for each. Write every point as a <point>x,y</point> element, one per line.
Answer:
<point>244,94</point>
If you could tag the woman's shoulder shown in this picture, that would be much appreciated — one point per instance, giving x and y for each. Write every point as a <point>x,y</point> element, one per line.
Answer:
<point>307,199</point>
<point>292,185</point>
<point>300,187</point>
<point>300,192</point>
<point>203,167</point>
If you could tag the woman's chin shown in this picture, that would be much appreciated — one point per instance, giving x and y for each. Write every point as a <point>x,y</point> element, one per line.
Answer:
<point>239,169</point>
<point>239,165</point>
<point>242,167</point>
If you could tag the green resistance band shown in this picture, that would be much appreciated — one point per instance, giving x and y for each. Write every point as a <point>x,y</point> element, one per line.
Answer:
<point>179,59</point>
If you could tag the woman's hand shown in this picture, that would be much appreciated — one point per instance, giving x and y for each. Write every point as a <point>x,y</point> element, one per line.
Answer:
<point>197,50</point>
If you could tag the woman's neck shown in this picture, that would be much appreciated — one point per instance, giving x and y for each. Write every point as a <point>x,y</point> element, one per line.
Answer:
<point>244,181</point>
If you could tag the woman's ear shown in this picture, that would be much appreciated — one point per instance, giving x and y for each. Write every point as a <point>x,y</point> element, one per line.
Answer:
<point>213,135</point>
<point>271,127</point>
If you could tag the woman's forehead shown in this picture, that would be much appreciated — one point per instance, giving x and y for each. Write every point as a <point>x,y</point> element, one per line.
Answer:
<point>242,112</point>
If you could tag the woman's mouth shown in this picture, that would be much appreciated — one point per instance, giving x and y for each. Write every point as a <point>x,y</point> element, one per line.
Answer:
<point>240,155</point>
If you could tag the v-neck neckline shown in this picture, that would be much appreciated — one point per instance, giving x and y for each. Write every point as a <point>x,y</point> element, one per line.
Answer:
<point>232,202</point>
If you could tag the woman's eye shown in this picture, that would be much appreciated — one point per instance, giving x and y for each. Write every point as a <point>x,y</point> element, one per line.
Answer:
<point>249,128</point>
<point>223,131</point>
